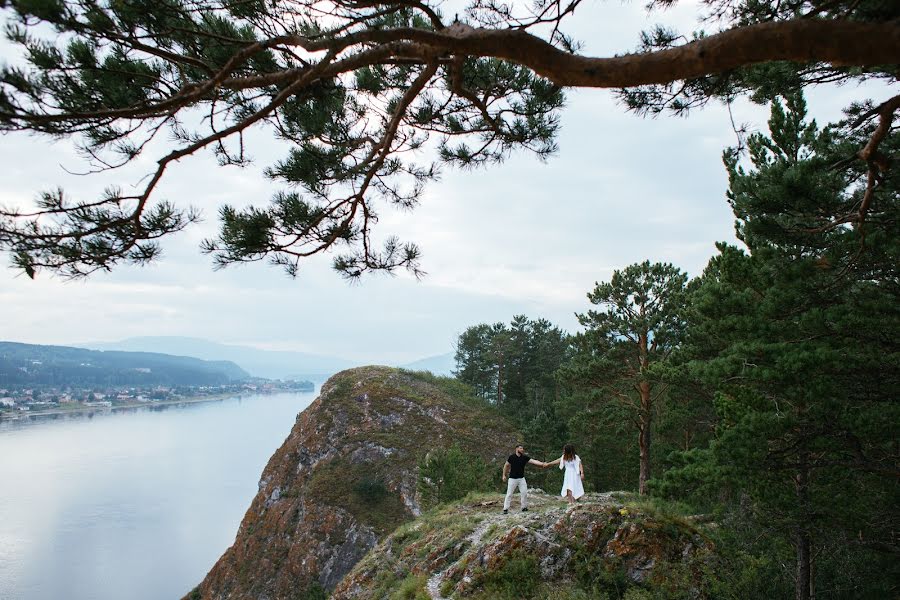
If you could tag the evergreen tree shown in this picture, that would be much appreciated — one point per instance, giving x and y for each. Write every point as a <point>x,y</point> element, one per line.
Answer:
<point>637,326</point>
<point>514,367</point>
<point>798,339</point>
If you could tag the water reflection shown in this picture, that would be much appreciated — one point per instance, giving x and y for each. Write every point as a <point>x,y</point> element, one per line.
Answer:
<point>130,503</point>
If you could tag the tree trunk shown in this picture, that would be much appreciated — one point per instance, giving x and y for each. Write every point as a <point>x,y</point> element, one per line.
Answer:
<point>644,443</point>
<point>645,416</point>
<point>500,380</point>
<point>645,429</point>
<point>802,540</point>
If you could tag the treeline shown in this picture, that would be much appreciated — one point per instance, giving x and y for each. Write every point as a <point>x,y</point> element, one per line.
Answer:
<point>762,392</point>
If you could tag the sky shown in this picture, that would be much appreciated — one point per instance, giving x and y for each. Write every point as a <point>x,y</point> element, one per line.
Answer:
<point>527,237</point>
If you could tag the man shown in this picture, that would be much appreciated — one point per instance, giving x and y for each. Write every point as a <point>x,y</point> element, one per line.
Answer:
<point>514,472</point>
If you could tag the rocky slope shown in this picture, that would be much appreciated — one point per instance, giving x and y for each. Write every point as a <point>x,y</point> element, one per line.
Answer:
<point>606,546</point>
<point>345,477</point>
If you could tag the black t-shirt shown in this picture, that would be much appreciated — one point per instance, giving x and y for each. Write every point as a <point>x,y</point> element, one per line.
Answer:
<point>517,464</point>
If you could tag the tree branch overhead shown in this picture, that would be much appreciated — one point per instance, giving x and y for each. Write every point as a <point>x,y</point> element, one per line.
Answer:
<point>337,82</point>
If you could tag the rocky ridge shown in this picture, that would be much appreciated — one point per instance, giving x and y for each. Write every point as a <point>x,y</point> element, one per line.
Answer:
<point>345,477</point>
<point>607,545</point>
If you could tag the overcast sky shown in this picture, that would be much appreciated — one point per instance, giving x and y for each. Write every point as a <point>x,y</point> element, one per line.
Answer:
<point>524,238</point>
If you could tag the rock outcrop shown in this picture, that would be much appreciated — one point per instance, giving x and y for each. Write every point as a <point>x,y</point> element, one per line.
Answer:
<point>607,545</point>
<point>345,477</point>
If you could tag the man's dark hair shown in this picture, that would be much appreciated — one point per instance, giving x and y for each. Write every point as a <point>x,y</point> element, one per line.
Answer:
<point>520,446</point>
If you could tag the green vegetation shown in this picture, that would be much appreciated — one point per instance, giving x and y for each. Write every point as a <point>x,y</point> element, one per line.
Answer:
<point>513,368</point>
<point>447,475</point>
<point>360,489</point>
<point>313,592</point>
<point>635,328</point>
<point>516,576</point>
<point>452,386</point>
<point>767,385</point>
<point>762,393</point>
<point>411,588</point>
<point>370,490</point>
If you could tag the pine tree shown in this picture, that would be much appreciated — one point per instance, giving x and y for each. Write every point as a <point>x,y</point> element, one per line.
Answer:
<point>798,340</point>
<point>637,326</point>
<point>355,91</point>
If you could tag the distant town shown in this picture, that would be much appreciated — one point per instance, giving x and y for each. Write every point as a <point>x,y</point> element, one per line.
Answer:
<point>16,401</point>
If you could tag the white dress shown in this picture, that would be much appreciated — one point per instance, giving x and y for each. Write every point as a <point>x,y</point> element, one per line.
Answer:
<point>571,477</point>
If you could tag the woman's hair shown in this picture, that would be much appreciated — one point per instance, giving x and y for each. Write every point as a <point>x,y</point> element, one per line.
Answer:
<point>568,452</point>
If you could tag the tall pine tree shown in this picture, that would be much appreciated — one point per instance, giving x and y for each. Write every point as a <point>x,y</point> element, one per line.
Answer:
<point>798,340</point>
<point>636,326</point>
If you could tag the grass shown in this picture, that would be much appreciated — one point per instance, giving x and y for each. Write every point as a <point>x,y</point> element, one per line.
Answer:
<point>412,588</point>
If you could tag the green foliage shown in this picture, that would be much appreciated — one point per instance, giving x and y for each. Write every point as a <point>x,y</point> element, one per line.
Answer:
<point>360,489</point>
<point>798,341</point>
<point>25,365</point>
<point>115,75</point>
<point>451,386</point>
<point>513,367</point>
<point>447,475</point>
<point>370,489</point>
<point>312,592</point>
<point>617,374</point>
<point>514,578</point>
<point>412,588</point>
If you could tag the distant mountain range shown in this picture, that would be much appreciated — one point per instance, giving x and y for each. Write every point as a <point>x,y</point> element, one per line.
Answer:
<point>36,365</point>
<point>442,364</point>
<point>270,364</point>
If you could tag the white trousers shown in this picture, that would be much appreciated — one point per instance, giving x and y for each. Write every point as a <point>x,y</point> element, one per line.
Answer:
<point>511,485</point>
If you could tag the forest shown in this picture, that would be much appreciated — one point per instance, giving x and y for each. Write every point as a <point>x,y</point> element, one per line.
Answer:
<point>761,393</point>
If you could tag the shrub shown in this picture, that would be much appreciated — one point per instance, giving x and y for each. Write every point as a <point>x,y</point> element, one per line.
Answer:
<point>370,489</point>
<point>448,475</point>
<point>515,579</point>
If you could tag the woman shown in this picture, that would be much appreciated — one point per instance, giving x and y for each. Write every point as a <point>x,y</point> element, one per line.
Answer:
<point>573,474</point>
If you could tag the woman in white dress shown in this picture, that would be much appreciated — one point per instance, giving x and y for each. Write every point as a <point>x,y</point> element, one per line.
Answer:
<point>573,474</point>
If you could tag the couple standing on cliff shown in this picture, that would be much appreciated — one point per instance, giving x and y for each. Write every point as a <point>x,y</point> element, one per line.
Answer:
<point>514,475</point>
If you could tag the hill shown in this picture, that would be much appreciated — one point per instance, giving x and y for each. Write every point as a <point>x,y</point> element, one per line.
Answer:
<point>259,363</point>
<point>605,546</point>
<point>38,365</point>
<point>346,476</point>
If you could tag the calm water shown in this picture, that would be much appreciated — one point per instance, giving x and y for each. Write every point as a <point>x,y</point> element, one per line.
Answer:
<point>135,505</point>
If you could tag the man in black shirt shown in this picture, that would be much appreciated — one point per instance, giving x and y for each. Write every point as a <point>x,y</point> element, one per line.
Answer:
<point>514,475</point>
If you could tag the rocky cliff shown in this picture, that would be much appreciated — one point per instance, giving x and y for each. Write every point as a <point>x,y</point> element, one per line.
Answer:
<point>606,546</point>
<point>344,478</point>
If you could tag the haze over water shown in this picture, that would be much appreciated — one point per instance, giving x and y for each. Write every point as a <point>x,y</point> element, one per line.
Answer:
<point>132,504</point>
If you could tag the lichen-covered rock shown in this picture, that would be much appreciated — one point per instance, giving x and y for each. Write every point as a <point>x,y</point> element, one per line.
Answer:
<point>602,546</point>
<point>345,477</point>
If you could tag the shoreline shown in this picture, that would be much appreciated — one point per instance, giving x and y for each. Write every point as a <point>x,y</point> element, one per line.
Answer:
<point>15,416</point>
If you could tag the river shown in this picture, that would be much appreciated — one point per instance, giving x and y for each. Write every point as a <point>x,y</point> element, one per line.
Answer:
<point>133,504</point>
